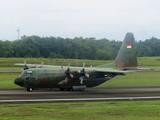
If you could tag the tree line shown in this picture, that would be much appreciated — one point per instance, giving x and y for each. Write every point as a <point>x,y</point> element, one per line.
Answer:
<point>87,48</point>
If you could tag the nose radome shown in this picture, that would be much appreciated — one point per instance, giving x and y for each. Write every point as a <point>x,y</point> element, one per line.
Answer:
<point>19,81</point>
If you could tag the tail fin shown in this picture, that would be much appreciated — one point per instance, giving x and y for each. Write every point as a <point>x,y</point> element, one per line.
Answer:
<point>127,54</point>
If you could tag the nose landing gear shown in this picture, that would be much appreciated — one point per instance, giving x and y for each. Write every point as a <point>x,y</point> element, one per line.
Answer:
<point>29,89</point>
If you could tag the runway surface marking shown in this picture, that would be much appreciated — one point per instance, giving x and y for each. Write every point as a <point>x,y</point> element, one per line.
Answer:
<point>82,99</point>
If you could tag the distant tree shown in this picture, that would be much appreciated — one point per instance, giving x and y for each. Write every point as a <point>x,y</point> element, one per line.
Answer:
<point>88,48</point>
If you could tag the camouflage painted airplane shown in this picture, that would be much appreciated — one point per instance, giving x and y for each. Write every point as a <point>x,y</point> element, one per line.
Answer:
<point>78,78</point>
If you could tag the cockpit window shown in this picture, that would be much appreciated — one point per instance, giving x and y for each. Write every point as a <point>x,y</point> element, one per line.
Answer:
<point>21,74</point>
<point>29,73</point>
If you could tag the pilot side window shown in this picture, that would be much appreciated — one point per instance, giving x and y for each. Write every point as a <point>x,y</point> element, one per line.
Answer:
<point>29,73</point>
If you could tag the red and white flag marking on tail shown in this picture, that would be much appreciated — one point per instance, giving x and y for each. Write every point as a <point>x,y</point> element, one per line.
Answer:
<point>129,45</point>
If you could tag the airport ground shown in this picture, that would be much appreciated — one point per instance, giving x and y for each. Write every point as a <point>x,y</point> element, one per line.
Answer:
<point>122,103</point>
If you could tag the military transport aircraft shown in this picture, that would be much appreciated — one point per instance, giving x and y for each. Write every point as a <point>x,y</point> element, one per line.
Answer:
<point>78,78</point>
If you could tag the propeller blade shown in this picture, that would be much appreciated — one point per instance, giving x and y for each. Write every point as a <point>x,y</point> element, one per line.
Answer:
<point>83,65</point>
<point>41,64</point>
<point>86,75</point>
<point>68,65</point>
<point>36,66</point>
<point>68,69</point>
<point>25,65</point>
<point>78,71</point>
<point>71,75</point>
<point>62,68</point>
<point>81,80</point>
<point>24,61</point>
<point>66,80</point>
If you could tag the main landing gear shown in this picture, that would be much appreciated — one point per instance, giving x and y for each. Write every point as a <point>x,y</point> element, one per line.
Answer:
<point>69,89</point>
<point>61,89</point>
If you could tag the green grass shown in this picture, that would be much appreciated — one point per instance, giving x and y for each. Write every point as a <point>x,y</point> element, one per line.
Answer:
<point>133,110</point>
<point>157,58</point>
<point>134,80</point>
<point>9,62</point>
<point>151,67</point>
<point>7,80</point>
<point>11,68</point>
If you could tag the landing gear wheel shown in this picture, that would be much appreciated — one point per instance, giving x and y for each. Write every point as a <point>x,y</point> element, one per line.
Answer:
<point>81,89</point>
<point>62,89</point>
<point>74,89</point>
<point>68,89</point>
<point>29,89</point>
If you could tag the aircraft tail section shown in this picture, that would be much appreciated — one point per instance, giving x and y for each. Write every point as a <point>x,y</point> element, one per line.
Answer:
<point>127,57</point>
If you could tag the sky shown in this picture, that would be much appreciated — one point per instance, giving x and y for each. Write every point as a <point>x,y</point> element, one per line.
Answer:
<point>110,19</point>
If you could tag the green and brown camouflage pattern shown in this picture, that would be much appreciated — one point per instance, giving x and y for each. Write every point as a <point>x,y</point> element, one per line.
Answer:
<point>127,56</point>
<point>55,77</point>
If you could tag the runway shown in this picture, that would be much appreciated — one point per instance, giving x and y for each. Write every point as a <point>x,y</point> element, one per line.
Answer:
<point>90,94</point>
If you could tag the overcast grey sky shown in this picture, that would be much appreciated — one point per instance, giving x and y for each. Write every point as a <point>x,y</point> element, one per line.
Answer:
<point>109,19</point>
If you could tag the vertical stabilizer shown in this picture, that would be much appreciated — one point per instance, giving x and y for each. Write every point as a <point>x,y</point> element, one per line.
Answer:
<point>127,54</point>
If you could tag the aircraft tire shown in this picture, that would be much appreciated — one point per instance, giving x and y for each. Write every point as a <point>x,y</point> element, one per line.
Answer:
<point>81,89</point>
<point>62,89</point>
<point>29,89</point>
<point>68,89</point>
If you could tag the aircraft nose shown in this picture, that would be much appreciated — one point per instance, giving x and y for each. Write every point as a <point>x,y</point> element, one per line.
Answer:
<point>19,81</point>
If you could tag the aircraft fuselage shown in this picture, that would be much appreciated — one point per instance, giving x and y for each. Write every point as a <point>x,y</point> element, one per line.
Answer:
<point>56,77</point>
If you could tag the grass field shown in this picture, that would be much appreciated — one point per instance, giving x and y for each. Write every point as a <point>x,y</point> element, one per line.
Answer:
<point>11,68</point>
<point>7,80</point>
<point>9,62</point>
<point>133,80</point>
<point>132,110</point>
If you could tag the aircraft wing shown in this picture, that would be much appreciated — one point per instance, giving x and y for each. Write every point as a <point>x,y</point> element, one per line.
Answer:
<point>33,65</point>
<point>79,68</point>
<point>112,70</point>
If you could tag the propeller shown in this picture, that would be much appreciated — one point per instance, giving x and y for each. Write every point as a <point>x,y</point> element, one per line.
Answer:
<point>36,66</point>
<point>82,72</point>
<point>25,65</point>
<point>68,71</point>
